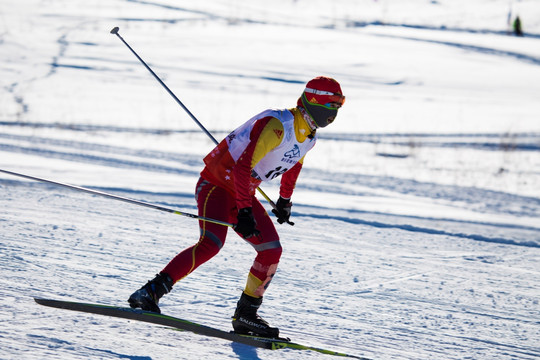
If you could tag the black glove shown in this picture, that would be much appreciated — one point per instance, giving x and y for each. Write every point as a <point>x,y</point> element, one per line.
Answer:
<point>283,211</point>
<point>246,223</point>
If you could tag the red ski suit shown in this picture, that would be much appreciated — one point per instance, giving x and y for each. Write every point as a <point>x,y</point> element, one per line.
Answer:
<point>270,144</point>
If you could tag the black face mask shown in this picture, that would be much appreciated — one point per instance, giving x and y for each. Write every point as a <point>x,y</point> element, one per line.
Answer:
<point>321,114</point>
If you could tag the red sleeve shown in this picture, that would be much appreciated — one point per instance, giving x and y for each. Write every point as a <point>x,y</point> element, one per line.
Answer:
<point>288,181</point>
<point>242,169</point>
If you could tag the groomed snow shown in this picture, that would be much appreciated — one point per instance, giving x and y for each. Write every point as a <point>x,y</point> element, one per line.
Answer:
<point>417,214</point>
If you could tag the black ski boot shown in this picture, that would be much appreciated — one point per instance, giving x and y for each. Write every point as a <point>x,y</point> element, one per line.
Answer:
<point>247,322</point>
<point>147,297</point>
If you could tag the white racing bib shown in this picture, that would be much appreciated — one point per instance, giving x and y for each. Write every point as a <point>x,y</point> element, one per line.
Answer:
<point>281,158</point>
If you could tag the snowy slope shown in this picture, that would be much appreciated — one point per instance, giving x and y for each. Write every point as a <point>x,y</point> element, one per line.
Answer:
<point>417,215</point>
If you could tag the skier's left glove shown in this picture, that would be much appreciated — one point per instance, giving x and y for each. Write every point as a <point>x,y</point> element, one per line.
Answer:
<point>246,226</point>
<point>283,211</point>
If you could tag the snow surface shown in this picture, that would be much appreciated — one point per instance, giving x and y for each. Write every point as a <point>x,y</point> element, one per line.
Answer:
<point>417,215</point>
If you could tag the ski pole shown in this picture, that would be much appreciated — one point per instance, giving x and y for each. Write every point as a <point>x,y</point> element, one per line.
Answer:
<point>120,198</point>
<point>115,32</point>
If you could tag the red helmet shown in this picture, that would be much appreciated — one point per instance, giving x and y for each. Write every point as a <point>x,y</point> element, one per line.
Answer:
<point>321,99</point>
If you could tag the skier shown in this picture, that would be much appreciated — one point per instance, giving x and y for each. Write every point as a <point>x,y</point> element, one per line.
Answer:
<point>270,144</point>
<point>518,31</point>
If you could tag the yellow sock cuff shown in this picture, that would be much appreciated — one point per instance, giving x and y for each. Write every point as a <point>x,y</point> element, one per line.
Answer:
<point>253,286</point>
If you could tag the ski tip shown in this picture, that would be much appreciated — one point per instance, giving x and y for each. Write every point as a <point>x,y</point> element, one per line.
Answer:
<point>45,302</point>
<point>115,30</point>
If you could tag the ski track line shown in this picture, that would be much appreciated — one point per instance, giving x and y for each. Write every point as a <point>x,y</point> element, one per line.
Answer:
<point>192,160</point>
<point>355,220</point>
<point>99,160</point>
<point>492,200</point>
<point>425,230</point>
<point>495,200</point>
<point>526,141</point>
<point>472,48</point>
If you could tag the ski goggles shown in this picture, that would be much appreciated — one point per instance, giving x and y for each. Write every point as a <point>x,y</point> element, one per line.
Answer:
<point>334,100</point>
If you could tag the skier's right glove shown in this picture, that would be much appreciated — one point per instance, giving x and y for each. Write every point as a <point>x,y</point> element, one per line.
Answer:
<point>283,211</point>
<point>246,225</point>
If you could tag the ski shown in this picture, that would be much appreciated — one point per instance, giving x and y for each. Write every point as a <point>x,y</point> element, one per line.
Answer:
<point>181,324</point>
